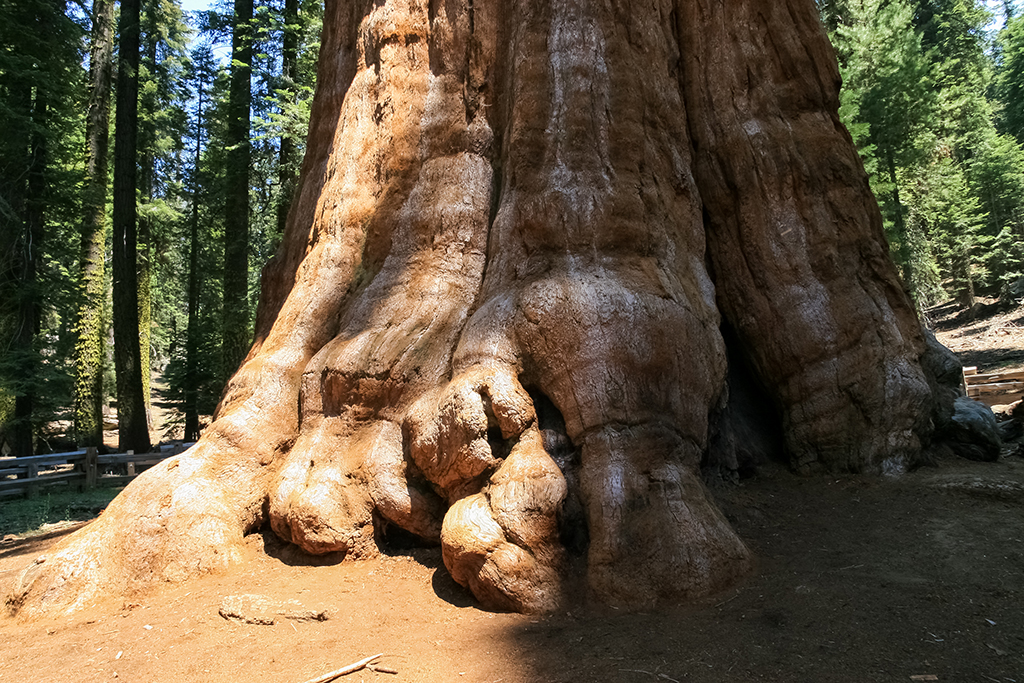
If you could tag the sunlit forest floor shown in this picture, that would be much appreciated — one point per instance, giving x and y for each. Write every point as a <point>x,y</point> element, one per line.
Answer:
<point>166,422</point>
<point>918,577</point>
<point>992,341</point>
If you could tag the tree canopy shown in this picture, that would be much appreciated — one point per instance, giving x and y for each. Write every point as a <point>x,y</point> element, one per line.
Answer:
<point>54,270</point>
<point>929,98</point>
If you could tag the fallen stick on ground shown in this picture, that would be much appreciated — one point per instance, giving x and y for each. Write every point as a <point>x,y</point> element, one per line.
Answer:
<point>380,669</point>
<point>345,670</point>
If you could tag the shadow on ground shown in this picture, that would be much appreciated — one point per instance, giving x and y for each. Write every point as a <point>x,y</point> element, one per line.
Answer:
<point>859,580</point>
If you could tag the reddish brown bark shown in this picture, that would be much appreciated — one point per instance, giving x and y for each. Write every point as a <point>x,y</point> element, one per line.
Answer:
<point>492,321</point>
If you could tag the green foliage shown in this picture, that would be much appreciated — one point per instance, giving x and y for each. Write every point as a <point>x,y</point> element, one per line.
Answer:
<point>207,381</point>
<point>888,73</point>
<point>27,516</point>
<point>41,95</point>
<point>163,123</point>
<point>6,407</point>
<point>285,102</point>
<point>1010,80</point>
<point>281,109</point>
<point>954,33</point>
<point>996,177</point>
<point>196,368</point>
<point>889,105</point>
<point>42,46</point>
<point>833,13</point>
<point>952,220</point>
<point>918,101</point>
<point>283,105</point>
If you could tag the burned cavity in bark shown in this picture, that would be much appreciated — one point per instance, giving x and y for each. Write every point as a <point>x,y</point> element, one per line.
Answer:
<point>511,207</point>
<point>572,519</point>
<point>746,433</point>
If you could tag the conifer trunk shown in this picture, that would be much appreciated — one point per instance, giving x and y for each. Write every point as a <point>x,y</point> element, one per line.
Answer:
<point>29,309</point>
<point>133,429</point>
<point>88,397</point>
<point>192,336</point>
<point>236,331</point>
<point>495,320</point>
<point>906,255</point>
<point>147,183</point>
<point>286,162</point>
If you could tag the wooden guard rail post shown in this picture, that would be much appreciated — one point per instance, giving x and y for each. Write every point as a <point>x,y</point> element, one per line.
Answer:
<point>92,467</point>
<point>32,473</point>
<point>85,473</point>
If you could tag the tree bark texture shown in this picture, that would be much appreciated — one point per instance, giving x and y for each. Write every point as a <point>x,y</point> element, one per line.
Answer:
<point>133,428</point>
<point>495,320</point>
<point>88,396</point>
<point>287,163</point>
<point>149,101</point>
<point>193,335</point>
<point>237,336</point>
<point>16,160</point>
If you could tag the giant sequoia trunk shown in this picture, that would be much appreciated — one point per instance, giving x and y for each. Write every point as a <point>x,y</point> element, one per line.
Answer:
<point>496,317</point>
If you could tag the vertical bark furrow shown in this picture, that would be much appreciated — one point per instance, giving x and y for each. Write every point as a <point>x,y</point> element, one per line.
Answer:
<point>596,292</point>
<point>335,73</point>
<point>431,216</point>
<point>796,240</point>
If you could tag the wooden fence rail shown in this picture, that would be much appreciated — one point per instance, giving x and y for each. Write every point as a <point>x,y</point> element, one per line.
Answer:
<point>87,469</point>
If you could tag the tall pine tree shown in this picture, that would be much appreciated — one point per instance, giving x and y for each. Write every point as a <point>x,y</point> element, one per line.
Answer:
<point>133,428</point>
<point>1011,77</point>
<point>89,348</point>
<point>40,73</point>
<point>236,335</point>
<point>889,78</point>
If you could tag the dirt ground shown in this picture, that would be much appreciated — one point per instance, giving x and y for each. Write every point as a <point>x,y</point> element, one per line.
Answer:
<point>990,342</point>
<point>859,579</point>
<point>919,577</point>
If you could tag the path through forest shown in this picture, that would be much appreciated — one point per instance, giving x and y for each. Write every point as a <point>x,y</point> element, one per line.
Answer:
<point>165,420</point>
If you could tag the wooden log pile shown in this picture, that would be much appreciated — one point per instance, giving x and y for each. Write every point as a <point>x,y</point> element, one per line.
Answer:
<point>995,387</point>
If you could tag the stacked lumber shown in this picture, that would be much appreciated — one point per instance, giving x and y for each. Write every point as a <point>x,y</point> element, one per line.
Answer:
<point>994,387</point>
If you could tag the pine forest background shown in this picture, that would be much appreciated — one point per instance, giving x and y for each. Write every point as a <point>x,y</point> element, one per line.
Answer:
<point>150,155</point>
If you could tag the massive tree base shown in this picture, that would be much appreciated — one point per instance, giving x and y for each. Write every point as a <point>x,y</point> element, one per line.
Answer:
<point>496,319</point>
